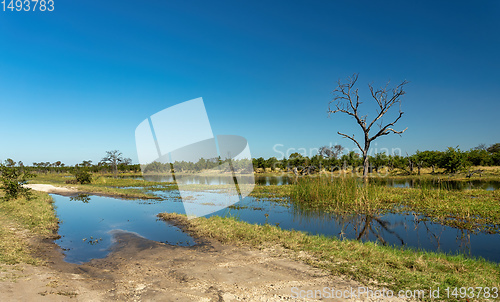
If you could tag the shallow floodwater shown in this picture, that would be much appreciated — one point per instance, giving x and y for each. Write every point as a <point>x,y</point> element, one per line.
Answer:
<point>289,179</point>
<point>88,223</point>
<point>390,229</point>
<point>99,217</point>
<point>445,185</point>
<point>221,179</point>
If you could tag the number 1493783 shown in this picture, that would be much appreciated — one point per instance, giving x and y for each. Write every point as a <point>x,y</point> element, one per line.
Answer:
<point>28,5</point>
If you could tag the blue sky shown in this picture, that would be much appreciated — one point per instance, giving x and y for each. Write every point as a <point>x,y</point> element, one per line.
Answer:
<point>77,81</point>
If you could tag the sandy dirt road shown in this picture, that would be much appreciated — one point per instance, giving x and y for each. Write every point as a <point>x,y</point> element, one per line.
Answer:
<point>138,269</point>
<point>142,270</point>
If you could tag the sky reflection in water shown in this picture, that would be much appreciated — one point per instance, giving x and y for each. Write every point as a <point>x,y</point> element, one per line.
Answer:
<point>97,217</point>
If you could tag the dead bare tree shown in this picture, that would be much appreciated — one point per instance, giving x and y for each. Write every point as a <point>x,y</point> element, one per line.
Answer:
<point>346,100</point>
<point>330,152</point>
<point>113,158</point>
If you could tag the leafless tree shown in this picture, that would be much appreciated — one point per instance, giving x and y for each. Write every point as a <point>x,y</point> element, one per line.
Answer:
<point>346,100</point>
<point>331,152</point>
<point>113,158</point>
<point>481,147</point>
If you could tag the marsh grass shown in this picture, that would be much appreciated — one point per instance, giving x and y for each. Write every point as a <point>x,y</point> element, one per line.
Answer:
<point>126,193</point>
<point>367,262</point>
<point>19,220</point>
<point>474,210</point>
<point>470,209</point>
<point>119,187</point>
<point>339,195</point>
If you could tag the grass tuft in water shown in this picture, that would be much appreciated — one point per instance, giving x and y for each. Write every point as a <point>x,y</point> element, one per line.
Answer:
<point>339,195</point>
<point>474,210</point>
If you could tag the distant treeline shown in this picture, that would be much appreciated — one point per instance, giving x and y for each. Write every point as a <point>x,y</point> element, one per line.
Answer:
<point>451,160</point>
<point>59,167</point>
<point>242,165</point>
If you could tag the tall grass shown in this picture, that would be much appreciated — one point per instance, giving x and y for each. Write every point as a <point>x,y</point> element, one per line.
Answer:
<point>475,210</point>
<point>339,195</point>
<point>21,219</point>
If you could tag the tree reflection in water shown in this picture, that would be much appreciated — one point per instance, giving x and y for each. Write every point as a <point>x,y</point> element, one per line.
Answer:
<point>386,228</point>
<point>85,198</point>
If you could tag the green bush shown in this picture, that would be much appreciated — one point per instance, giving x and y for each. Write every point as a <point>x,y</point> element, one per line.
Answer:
<point>13,179</point>
<point>452,160</point>
<point>83,177</point>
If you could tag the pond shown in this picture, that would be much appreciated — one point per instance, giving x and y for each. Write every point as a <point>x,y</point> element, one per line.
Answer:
<point>391,229</point>
<point>289,179</point>
<point>88,225</point>
<point>89,222</point>
<point>441,184</point>
<point>221,179</point>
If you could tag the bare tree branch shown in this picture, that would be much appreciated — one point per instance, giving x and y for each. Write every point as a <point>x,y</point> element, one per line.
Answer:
<point>343,93</point>
<point>351,138</point>
<point>380,97</point>
<point>387,130</point>
<point>346,100</point>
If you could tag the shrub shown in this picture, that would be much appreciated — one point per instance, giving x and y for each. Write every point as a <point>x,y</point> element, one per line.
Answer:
<point>452,160</point>
<point>13,180</point>
<point>83,177</point>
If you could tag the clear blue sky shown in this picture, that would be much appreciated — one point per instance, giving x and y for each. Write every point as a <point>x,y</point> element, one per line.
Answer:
<point>77,81</point>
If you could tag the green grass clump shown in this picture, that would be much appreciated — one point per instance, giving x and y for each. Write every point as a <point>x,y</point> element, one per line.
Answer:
<point>345,194</point>
<point>118,187</point>
<point>469,209</point>
<point>36,214</point>
<point>19,220</point>
<point>369,263</point>
<point>474,210</point>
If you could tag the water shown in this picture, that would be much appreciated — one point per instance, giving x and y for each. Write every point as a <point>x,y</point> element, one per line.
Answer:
<point>88,223</point>
<point>99,217</point>
<point>289,179</point>
<point>221,179</point>
<point>443,184</point>
<point>390,229</point>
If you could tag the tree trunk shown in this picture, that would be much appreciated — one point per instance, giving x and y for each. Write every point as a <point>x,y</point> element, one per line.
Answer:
<point>365,157</point>
<point>365,166</point>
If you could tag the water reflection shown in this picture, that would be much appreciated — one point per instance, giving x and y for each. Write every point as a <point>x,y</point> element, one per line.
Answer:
<point>401,230</point>
<point>88,222</point>
<point>410,230</point>
<point>290,179</point>
<point>85,198</point>
<point>437,184</point>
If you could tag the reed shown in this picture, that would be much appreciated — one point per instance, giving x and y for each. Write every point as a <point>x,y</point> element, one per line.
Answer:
<point>338,195</point>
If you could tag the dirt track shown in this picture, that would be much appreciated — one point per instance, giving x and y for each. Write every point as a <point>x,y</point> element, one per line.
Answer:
<point>138,269</point>
<point>142,270</point>
<point>52,189</point>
